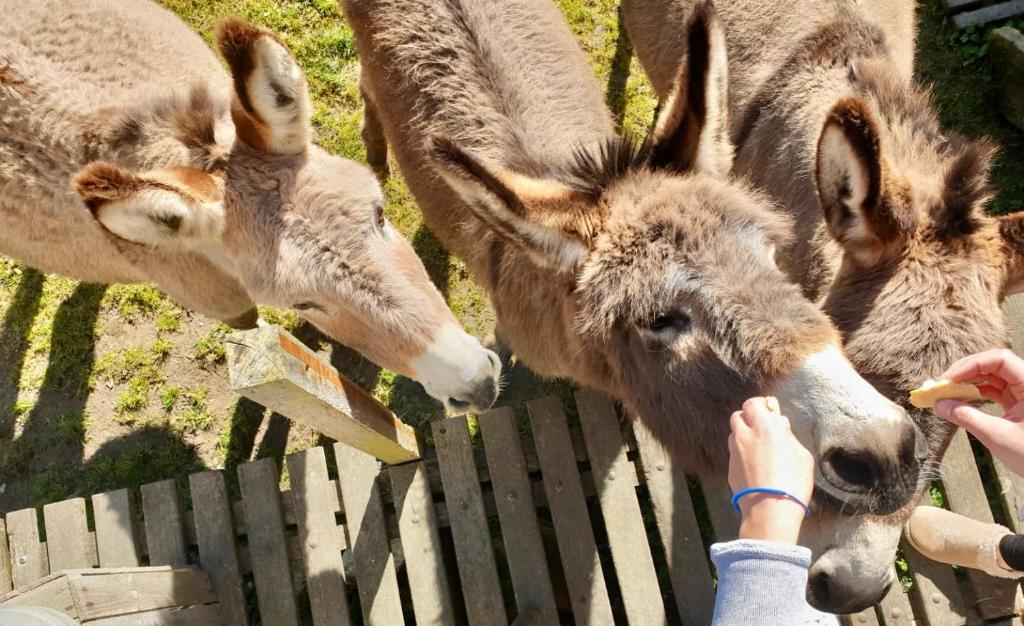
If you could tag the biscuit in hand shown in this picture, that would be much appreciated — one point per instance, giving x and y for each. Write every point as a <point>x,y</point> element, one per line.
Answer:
<point>925,396</point>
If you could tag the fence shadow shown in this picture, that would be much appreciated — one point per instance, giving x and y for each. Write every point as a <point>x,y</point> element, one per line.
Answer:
<point>615,94</point>
<point>14,344</point>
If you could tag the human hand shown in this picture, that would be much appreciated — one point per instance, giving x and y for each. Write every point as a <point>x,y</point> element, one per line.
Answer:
<point>999,376</point>
<point>763,452</point>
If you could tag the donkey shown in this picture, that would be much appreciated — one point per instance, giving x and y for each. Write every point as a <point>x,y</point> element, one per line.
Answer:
<point>208,186</point>
<point>642,270</point>
<point>891,234</point>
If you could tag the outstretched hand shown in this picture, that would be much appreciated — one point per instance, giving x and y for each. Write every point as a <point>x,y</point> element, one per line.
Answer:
<point>999,376</point>
<point>763,452</point>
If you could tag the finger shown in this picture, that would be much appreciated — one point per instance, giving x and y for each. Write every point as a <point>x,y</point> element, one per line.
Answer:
<point>738,423</point>
<point>1002,397</point>
<point>1001,364</point>
<point>756,411</point>
<point>982,425</point>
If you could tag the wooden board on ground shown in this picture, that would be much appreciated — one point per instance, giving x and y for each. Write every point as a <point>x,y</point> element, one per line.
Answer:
<point>470,531</point>
<point>678,529</point>
<point>613,478</point>
<point>28,555</point>
<point>989,13</point>
<point>89,595</point>
<point>895,607</point>
<point>67,535</point>
<point>319,535</point>
<point>6,583</point>
<point>527,563</point>
<point>215,536</point>
<point>264,523</point>
<point>271,367</point>
<point>115,537</point>
<point>165,533</point>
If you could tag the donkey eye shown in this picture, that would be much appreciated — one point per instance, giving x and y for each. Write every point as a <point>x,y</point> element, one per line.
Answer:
<point>308,306</point>
<point>677,322</point>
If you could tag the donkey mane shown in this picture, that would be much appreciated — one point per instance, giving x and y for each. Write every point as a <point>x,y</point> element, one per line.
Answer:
<point>594,169</point>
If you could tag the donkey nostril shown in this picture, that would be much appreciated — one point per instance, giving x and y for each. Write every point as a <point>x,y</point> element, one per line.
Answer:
<point>852,468</point>
<point>458,405</point>
<point>818,585</point>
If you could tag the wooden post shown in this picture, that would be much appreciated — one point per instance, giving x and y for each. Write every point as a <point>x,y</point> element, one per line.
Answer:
<point>271,367</point>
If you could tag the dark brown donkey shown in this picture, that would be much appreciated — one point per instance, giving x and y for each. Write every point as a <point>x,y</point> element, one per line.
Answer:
<point>891,233</point>
<point>641,270</point>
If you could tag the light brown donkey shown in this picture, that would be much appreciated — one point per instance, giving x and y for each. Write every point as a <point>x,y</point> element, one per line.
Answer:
<point>891,234</point>
<point>643,271</point>
<point>207,186</point>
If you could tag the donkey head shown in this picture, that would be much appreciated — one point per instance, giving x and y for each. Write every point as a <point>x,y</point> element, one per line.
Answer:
<point>297,227</point>
<point>673,294</point>
<point>922,275</point>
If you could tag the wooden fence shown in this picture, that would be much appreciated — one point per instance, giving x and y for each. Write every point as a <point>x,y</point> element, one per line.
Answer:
<point>593,525</point>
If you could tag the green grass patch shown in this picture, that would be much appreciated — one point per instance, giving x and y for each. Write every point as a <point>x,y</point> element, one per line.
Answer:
<point>134,302</point>
<point>196,417</point>
<point>169,397</point>
<point>209,350</point>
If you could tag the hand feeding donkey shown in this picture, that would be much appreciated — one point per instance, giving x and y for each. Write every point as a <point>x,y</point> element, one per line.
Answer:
<point>641,271</point>
<point>891,234</point>
<point>215,194</point>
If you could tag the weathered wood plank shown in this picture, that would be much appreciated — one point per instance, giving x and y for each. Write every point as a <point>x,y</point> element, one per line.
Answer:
<point>67,535</point>
<point>631,553</point>
<point>364,512</point>
<point>474,551</point>
<point>108,593</point>
<point>165,537</point>
<point>576,545</point>
<point>6,582</point>
<point>935,586</point>
<point>314,501</point>
<point>218,554</point>
<point>718,497</point>
<point>677,526</point>
<point>957,5</point>
<point>261,503</point>
<point>527,563</point>
<point>28,555</point>
<point>867,617</point>
<point>895,607</point>
<point>989,13</point>
<point>52,592</point>
<point>1011,490</point>
<point>271,367</point>
<point>421,543</point>
<point>115,537</point>
<point>965,493</point>
<point>205,615</point>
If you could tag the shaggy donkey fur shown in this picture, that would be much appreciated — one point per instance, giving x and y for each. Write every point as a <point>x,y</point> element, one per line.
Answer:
<point>891,232</point>
<point>213,193</point>
<point>641,270</point>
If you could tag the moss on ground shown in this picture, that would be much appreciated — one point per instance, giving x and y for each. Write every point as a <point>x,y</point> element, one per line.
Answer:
<point>60,393</point>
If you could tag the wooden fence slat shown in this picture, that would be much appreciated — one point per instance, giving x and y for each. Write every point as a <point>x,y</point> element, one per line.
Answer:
<point>677,526</point>
<point>421,543</point>
<point>115,538</point>
<point>474,550</point>
<point>264,522</point>
<point>215,536</point>
<point>576,545</point>
<point>165,536</point>
<point>631,553</point>
<point>989,13</point>
<point>718,497</point>
<point>867,617</point>
<point>1011,490</point>
<point>28,554</point>
<point>935,585</point>
<point>994,598</point>
<point>527,563</point>
<point>895,607</point>
<point>67,535</point>
<point>314,502</point>
<point>6,582</point>
<point>371,552</point>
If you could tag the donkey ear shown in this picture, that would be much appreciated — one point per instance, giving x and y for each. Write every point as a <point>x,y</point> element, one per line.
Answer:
<point>1011,229</point>
<point>554,223</point>
<point>849,177</point>
<point>271,109</point>
<point>692,130</point>
<point>179,206</point>
<point>966,191</point>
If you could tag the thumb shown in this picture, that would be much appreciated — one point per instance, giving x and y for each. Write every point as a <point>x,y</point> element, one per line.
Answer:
<point>982,425</point>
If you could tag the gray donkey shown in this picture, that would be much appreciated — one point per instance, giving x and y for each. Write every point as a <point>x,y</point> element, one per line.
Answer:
<point>891,233</point>
<point>642,270</point>
<point>207,185</point>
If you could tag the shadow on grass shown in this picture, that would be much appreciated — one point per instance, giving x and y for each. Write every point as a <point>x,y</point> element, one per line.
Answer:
<point>434,256</point>
<point>615,95</point>
<point>14,344</point>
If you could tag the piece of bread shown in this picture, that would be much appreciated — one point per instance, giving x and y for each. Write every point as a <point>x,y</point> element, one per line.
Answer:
<point>925,396</point>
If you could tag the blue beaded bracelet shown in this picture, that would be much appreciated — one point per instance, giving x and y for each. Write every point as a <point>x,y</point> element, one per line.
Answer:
<point>770,491</point>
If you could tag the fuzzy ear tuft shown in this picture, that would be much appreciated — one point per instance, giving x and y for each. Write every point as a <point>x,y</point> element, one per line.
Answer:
<point>177,206</point>
<point>1011,230</point>
<point>551,221</point>
<point>692,130</point>
<point>967,190</point>
<point>272,108</point>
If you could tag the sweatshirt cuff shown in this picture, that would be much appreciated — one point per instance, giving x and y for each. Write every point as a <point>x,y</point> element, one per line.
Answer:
<point>724,554</point>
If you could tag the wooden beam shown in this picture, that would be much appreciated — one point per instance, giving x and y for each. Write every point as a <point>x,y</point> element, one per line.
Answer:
<point>271,367</point>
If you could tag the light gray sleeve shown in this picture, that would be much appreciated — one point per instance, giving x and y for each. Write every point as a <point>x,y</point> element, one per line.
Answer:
<point>761,582</point>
